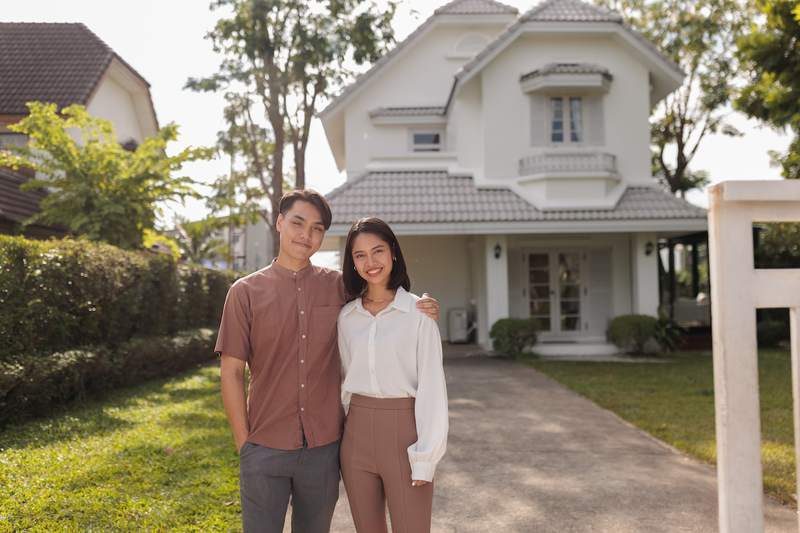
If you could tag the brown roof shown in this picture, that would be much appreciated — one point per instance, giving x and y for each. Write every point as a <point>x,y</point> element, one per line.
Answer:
<point>16,205</point>
<point>50,62</point>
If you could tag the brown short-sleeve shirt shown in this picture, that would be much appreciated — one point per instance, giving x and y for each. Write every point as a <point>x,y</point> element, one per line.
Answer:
<point>283,323</point>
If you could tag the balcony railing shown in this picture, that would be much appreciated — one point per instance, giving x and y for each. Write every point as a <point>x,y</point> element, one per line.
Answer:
<point>567,162</point>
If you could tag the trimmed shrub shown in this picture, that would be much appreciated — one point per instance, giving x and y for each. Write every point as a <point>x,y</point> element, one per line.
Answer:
<point>631,332</point>
<point>511,336</point>
<point>60,294</point>
<point>668,334</point>
<point>33,384</point>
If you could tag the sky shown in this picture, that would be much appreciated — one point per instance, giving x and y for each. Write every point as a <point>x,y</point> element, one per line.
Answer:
<point>164,41</point>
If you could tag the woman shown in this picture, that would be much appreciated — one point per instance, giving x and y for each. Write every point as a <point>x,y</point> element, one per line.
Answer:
<point>393,387</point>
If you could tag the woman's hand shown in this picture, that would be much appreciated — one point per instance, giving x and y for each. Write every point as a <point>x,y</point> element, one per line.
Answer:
<point>429,306</point>
<point>418,482</point>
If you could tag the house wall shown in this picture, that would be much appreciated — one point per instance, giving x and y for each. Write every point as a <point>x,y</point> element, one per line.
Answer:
<point>440,265</point>
<point>421,75</point>
<point>507,109</point>
<point>113,102</point>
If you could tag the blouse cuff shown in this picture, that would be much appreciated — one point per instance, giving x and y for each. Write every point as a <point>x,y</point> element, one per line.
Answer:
<point>422,471</point>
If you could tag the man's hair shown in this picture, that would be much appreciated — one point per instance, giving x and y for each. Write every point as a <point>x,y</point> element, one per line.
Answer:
<point>307,195</point>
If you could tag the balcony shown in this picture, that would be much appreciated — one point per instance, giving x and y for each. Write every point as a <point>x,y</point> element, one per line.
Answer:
<point>568,163</point>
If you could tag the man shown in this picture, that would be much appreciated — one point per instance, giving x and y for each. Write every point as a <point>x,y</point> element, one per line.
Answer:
<point>281,322</point>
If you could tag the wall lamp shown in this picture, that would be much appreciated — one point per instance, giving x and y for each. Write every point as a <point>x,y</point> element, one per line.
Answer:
<point>497,251</point>
<point>648,248</point>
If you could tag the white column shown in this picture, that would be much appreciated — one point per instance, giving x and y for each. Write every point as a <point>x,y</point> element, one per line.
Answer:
<point>496,257</point>
<point>645,273</point>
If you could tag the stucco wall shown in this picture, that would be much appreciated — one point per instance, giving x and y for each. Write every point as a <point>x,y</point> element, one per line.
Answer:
<point>113,102</point>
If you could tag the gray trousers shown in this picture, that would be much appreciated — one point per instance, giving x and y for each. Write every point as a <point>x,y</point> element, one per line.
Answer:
<point>267,477</point>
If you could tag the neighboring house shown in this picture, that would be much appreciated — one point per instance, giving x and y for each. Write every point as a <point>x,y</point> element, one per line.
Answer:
<point>63,64</point>
<point>250,246</point>
<point>511,154</point>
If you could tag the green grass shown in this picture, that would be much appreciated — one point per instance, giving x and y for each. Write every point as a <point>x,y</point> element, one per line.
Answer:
<point>156,457</point>
<point>674,402</point>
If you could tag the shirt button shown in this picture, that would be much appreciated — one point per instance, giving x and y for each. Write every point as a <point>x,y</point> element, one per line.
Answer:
<point>302,408</point>
<point>302,361</point>
<point>299,289</point>
<point>302,386</point>
<point>303,336</point>
<point>302,312</point>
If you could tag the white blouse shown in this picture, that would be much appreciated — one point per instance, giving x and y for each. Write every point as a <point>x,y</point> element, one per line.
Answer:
<point>398,354</point>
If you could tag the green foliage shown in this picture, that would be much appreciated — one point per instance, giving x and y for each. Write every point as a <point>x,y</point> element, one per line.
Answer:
<point>60,294</point>
<point>151,239</point>
<point>700,37</point>
<point>199,240</point>
<point>769,53</point>
<point>778,245</point>
<point>154,457</point>
<point>668,334</point>
<point>631,332</point>
<point>281,60</point>
<point>511,336</point>
<point>98,189</point>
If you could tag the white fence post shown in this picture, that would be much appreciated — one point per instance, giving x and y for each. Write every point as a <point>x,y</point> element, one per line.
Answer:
<point>738,289</point>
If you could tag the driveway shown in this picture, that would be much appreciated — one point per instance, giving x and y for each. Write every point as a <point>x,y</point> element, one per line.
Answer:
<point>526,454</point>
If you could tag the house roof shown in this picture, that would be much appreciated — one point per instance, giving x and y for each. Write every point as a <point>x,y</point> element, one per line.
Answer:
<point>412,111</point>
<point>566,68</point>
<point>435,197</point>
<point>570,11</point>
<point>475,7</point>
<point>51,62</point>
<point>16,205</point>
<point>456,7</point>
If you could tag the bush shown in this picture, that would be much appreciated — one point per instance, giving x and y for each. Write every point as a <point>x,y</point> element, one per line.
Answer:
<point>771,332</point>
<point>33,384</point>
<point>512,335</point>
<point>631,332</point>
<point>59,294</point>
<point>668,334</point>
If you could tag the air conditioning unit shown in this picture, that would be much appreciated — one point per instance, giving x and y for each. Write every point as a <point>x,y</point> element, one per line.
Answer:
<point>458,326</point>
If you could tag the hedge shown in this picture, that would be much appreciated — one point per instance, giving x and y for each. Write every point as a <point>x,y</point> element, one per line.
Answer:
<point>510,336</point>
<point>60,294</point>
<point>32,385</point>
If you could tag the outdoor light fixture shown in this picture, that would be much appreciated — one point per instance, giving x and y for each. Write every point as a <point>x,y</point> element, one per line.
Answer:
<point>497,251</point>
<point>648,248</point>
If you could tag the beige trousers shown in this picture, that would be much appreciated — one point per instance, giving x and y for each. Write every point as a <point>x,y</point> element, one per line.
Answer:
<point>375,467</point>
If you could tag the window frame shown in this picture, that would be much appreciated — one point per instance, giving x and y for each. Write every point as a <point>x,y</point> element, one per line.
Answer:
<point>567,130</point>
<point>424,148</point>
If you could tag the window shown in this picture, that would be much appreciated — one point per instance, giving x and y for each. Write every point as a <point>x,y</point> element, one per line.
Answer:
<point>426,141</point>
<point>566,122</point>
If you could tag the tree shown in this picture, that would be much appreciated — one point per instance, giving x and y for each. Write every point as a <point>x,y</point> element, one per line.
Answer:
<point>96,187</point>
<point>771,54</point>
<point>700,36</point>
<point>198,241</point>
<point>281,59</point>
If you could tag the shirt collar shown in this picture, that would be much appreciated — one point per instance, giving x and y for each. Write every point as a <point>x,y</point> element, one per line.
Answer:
<point>402,302</point>
<point>290,274</point>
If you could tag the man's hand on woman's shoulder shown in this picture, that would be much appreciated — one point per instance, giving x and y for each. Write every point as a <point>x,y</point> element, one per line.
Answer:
<point>429,306</point>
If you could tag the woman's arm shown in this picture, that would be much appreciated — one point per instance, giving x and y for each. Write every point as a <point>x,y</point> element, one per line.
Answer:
<point>430,408</point>
<point>344,358</point>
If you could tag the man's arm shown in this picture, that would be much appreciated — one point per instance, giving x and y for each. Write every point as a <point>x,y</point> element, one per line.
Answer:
<point>231,372</point>
<point>429,306</point>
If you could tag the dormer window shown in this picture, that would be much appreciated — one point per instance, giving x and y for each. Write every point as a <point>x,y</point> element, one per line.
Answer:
<point>566,123</point>
<point>426,140</point>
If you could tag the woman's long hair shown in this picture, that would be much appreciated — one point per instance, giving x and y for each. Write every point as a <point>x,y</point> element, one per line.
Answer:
<point>353,282</point>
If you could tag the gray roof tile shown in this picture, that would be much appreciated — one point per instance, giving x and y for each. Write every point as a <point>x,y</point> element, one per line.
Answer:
<point>475,7</point>
<point>570,11</point>
<point>411,111</point>
<point>567,68</point>
<point>436,197</point>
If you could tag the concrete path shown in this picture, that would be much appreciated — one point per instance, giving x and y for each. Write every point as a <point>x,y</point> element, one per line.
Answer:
<point>527,455</point>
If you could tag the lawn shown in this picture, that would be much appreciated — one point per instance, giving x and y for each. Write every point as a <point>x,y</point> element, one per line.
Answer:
<point>155,457</point>
<point>674,402</point>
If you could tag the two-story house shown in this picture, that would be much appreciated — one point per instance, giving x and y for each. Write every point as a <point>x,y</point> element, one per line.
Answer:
<point>63,63</point>
<point>511,155</point>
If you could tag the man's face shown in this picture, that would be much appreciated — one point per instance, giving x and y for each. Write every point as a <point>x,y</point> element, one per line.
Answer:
<point>301,230</point>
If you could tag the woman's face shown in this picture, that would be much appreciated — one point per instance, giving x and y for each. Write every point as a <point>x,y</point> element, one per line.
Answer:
<point>373,259</point>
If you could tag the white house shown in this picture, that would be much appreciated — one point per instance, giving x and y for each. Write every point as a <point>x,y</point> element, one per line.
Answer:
<point>63,63</point>
<point>511,154</point>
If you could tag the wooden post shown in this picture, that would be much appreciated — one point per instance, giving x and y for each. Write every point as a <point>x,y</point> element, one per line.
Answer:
<point>740,289</point>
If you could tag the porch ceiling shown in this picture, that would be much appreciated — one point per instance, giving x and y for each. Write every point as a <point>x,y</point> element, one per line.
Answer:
<point>430,201</point>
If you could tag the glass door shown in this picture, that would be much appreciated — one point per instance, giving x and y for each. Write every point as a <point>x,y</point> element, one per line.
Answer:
<point>554,279</point>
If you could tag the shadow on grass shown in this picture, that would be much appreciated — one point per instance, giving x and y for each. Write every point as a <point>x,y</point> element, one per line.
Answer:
<point>102,412</point>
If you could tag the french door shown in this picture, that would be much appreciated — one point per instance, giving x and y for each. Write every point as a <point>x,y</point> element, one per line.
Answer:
<point>554,279</point>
